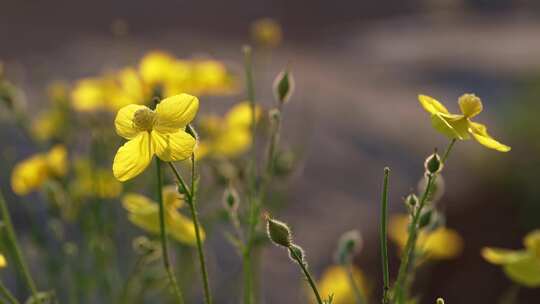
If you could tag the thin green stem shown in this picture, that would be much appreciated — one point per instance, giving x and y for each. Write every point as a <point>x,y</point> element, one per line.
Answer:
<point>19,259</point>
<point>6,294</point>
<point>163,236</point>
<point>384,237</point>
<point>196,224</point>
<point>180,180</point>
<point>307,274</point>
<point>448,149</point>
<point>360,297</point>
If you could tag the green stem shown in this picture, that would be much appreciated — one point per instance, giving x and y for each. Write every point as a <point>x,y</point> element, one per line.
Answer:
<point>19,259</point>
<point>196,224</point>
<point>448,149</point>
<point>384,237</point>
<point>307,274</point>
<point>360,297</point>
<point>7,294</point>
<point>163,236</point>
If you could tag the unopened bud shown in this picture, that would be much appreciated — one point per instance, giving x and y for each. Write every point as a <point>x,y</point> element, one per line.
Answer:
<point>411,201</point>
<point>297,254</point>
<point>283,86</point>
<point>231,199</point>
<point>349,244</point>
<point>440,301</point>
<point>433,163</point>
<point>425,218</point>
<point>275,115</point>
<point>278,232</point>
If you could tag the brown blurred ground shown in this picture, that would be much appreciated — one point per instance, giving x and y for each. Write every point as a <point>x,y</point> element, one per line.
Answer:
<point>358,67</point>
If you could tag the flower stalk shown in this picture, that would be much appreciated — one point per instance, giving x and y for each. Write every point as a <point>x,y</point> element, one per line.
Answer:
<point>13,243</point>
<point>7,295</point>
<point>384,237</point>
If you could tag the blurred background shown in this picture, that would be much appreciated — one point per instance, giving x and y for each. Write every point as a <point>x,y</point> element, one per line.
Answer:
<point>359,66</point>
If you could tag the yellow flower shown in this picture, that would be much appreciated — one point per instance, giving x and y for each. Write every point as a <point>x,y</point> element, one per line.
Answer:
<point>3,262</point>
<point>460,126</point>
<point>90,181</point>
<point>149,132</point>
<point>47,125</point>
<point>31,173</point>
<point>267,32</point>
<point>89,94</point>
<point>229,136</point>
<point>144,213</point>
<point>440,244</point>
<point>521,266</point>
<point>155,67</point>
<point>335,281</point>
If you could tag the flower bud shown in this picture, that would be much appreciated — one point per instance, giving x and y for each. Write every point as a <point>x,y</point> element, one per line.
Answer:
<point>433,163</point>
<point>411,201</point>
<point>231,200</point>
<point>349,244</point>
<point>283,86</point>
<point>278,232</point>
<point>275,115</point>
<point>440,301</point>
<point>425,218</point>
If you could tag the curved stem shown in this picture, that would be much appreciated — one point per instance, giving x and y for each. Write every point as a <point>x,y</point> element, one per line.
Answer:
<point>308,276</point>
<point>384,237</point>
<point>163,236</point>
<point>7,294</point>
<point>19,259</point>
<point>360,297</point>
<point>196,224</point>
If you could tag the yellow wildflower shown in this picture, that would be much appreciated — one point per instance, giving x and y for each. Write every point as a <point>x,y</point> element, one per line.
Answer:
<point>3,262</point>
<point>98,182</point>
<point>31,173</point>
<point>335,281</point>
<point>460,126</point>
<point>440,244</point>
<point>267,32</point>
<point>144,213</point>
<point>521,266</point>
<point>155,67</point>
<point>150,132</point>
<point>229,136</point>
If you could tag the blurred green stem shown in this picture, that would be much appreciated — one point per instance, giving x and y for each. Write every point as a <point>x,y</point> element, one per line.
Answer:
<point>190,198</point>
<point>163,235</point>
<point>13,243</point>
<point>384,237</point>
<point>358,293</point>
<point>398,291</point>
<point>7,294</point>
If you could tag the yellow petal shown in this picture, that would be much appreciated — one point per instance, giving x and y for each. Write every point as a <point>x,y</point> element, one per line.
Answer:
<point>232,143</point>
<point>3,262</point>
<point>139,204</point>
<point>29,174</point>
<point>176,112</point>
<point>431,105</point>
<point>88,95</point>
<point>532,242</point>
<point>173,146</point>
<point>133,157</point>
<point>479,132</point>
<point>171,198</point>
<point>499,256</point>
<point>470,105</point>
<point>442,243</point>
<point>181,228</point>
<point>124,121</point>
<point>451,125</point>
<point>335,281</point>
<point>155,67</point>
<point>241,115</point>
<point>57,160</point>
<point>398,229</point>
<point>525,271</point>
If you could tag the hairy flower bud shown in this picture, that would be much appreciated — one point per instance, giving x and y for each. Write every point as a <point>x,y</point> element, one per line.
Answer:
<point>278,232</point>
<point>440,301</point>
<point>433,163</point>
<point>297,254</point>
<point>349,244</point>
<point>231,200</point>
<point>283,86</point>
<point>411,201</point>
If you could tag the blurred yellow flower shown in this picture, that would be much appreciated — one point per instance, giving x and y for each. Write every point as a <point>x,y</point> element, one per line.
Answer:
<point>3,262</point>
<point>227,136</point>
<point>47,125</point>
<point>335,281</point>
<point>150,132</point>
<point>31,173</point>
<point>266,32</point>
<point>144,213</point>
<point>440,244</point>
<point>521,266</point>
<point>94,182</point>
<point>460,126</point>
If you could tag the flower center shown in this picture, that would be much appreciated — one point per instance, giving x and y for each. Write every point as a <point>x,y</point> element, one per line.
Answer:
<point>144,119</point>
